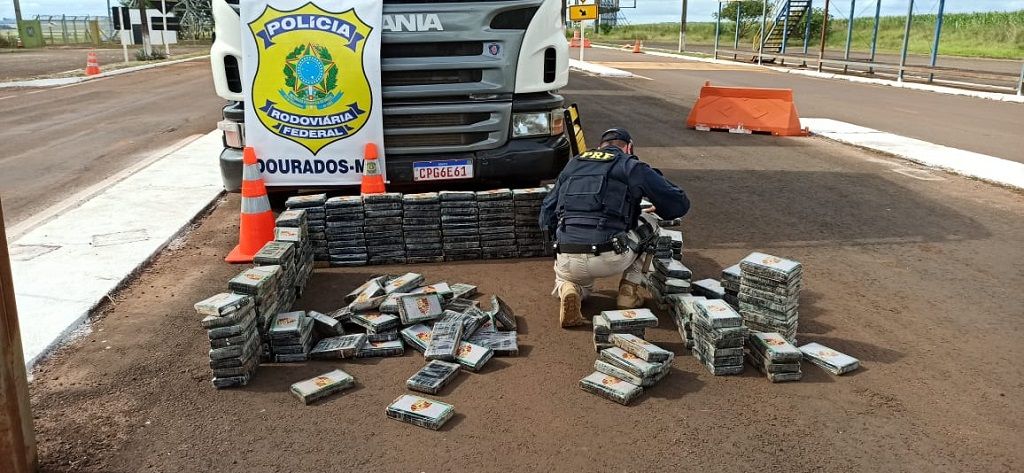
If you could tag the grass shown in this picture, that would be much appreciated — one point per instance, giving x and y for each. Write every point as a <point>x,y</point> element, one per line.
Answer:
<point>989,35</point>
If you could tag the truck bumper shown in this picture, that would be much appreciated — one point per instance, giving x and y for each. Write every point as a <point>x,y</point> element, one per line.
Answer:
<point>519,160</point>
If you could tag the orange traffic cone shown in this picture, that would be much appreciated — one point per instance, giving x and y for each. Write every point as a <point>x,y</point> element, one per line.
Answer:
<point>636,46</point>
<point>256,227</point>
<point>575,43</point>
<point>373,181</point>
<point>92,64</point>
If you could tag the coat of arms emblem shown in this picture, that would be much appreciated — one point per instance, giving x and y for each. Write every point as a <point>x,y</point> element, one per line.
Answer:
<point>310,85</point>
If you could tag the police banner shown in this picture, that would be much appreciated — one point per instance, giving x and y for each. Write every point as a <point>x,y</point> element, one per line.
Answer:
<point>311,78</point>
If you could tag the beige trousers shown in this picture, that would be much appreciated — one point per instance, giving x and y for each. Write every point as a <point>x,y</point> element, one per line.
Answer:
<point>583,269</point>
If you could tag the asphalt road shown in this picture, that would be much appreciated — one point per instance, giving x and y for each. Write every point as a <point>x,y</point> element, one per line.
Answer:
<point>982,126</point>
<point>915,273</point>
<point>59,141</point>
<point>30,63</point>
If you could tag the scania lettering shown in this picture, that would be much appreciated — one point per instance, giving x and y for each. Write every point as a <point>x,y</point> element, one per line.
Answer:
<point>470,91</point>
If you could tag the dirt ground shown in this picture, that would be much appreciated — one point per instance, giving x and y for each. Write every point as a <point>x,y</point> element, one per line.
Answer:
<point>22,64</point>
<point>916,274</point>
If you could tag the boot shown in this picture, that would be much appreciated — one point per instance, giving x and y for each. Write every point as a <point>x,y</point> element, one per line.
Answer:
<point>569,310</point>
<point>629,295</point>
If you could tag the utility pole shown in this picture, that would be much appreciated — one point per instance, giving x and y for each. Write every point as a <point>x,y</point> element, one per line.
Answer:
<point>147,47</point>
<point>682,29</point>
<point>17,12</point>
<point>824,30</point>
<point>17,436</point>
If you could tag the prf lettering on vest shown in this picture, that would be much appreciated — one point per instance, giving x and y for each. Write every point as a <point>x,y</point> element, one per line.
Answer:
<point>594,155</point>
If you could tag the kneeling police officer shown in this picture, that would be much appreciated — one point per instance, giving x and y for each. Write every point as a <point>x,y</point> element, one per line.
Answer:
<point>594,204</point>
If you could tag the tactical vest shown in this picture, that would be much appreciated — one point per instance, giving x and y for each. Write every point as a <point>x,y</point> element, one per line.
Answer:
<point>595,191</point>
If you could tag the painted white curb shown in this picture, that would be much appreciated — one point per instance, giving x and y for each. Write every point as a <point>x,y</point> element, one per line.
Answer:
<point>597,69</point>
<point>75,80</point>
<point>981,166</point>
<point>860,80</point>
<point>66,266</point>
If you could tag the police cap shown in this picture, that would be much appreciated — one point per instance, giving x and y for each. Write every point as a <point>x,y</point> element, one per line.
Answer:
<point>616,134</point>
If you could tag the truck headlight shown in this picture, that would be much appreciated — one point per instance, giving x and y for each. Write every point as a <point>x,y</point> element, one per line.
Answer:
<point>538,124</point>
<point>233,137</point>
<point>531,124</point>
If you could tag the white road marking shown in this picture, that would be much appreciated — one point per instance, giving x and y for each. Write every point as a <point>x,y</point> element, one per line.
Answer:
<point>981,166</point>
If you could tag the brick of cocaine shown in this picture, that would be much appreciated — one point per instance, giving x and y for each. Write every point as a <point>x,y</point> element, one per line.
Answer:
<point>774,348</point>
<point>326,326</point>
<point>501,314</point>
<point>444,341</point>
<point>473,356</point>
<point>385,336</point>
<point>501,343</point>
<point>709,288</point>
<point>322,386</point>
<point>632,363</point>
<point>379,349</point>
<point>462,291</point>
<point>441,288</point>
<point>630,318</point>
<point>420,411</point>
<point>641,348</point>
<point>403,283</point>
<point>306,201</point>
<point>417,336</point>
<point>771,267</point>
<point>672,268</point>
<point>717,313</point>
<point>370,285</point>
<point>610,387</point>
<point>417,308</point>
<point>343,346</point>
<point>375,321</point>
<point>828,359</point>
<point>433,377</point>
<point>221,304</point>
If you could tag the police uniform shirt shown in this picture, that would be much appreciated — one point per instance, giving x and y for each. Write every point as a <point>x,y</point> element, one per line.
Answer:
<point>643,181</point>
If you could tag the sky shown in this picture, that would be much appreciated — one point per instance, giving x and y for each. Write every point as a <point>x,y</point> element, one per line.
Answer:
<point>646,11</point>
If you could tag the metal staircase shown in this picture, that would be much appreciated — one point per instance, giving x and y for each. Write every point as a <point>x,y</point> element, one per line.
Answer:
<point>787,20</point>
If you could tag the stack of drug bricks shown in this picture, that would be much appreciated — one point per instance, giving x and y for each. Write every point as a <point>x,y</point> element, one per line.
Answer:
<point>460,225</point>
<point>316,221</point>
<point>669,280</point>
<point>282,254</point>
<point>230,321</point>
<point>631,322</point>
<point>774,356</point>
<point>769,294</point>
<point>421,226</point>
<point>346,240</point>
<point>718,336</point>
<point>497,224</point>
<point>531,239</point>
<point>631,363</point>
<point>731,285</point>
<point>683,310</point>
<point>384,242</point>
<point>291,228</point>
<point>264,284</point>
<point>291,337</point>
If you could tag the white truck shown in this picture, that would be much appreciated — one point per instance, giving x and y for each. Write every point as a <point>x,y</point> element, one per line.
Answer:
<point>463,80</point>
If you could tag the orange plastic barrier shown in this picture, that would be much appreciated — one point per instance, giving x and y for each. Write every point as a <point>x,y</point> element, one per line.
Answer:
<point>256,226</point>
<point>92,64</point>
<point>746,110</point>
<point>373,180</point>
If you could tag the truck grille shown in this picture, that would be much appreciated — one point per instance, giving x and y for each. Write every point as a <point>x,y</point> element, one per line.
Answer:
<point>434,120</point>
<point>405,78</point>
<point>447,49</point>
<point>441,139</point>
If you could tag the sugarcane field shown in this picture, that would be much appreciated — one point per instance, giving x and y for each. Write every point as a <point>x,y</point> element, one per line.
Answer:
<point>281,235</point>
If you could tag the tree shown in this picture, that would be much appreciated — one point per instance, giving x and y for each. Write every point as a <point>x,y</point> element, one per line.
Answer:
<point>750,14</point>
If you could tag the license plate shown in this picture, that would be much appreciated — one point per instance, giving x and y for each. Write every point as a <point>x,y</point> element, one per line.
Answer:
<point>442,170</point>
